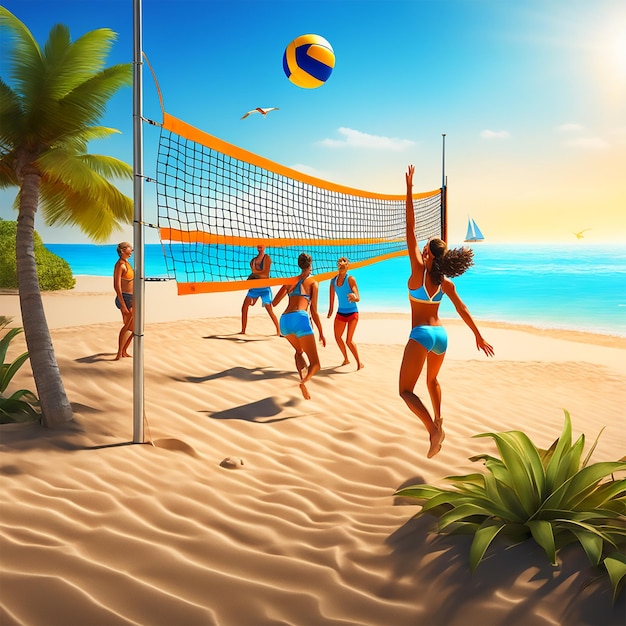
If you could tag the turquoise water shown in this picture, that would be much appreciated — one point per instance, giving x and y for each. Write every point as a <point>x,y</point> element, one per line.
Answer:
<point>577,287</point>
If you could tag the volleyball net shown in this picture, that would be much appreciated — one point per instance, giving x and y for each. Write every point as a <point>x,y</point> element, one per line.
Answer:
<point>217,202</point>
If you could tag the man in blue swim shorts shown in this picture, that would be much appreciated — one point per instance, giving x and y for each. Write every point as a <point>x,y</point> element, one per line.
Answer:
<point>260,268</point>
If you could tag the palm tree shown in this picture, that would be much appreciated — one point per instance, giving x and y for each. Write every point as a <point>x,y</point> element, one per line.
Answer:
<point>46,122</point>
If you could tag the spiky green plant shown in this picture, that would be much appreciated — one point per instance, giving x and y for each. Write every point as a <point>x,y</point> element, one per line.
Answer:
<point>550,495</point>
<point>22,405</point>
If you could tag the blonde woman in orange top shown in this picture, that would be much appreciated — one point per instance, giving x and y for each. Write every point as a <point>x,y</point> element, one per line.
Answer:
<point>123,279</point>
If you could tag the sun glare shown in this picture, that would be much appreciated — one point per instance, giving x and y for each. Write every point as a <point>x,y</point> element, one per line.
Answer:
<point>619,53</point>
<point>610,58</point>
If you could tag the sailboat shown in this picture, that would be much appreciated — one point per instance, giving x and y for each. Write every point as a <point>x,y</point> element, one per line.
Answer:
<point>473,232</point>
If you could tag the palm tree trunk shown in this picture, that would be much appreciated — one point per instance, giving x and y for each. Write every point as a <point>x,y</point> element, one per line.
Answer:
<point>55,406</point>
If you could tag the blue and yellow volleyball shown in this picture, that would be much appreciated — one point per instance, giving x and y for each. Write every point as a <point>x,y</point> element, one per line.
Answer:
<point>308,61</point>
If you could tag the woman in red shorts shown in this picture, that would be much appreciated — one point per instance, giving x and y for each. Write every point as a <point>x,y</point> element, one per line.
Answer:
<point>345,287</point>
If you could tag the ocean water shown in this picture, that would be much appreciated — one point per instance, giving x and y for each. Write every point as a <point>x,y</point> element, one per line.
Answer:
<point>566,286</point>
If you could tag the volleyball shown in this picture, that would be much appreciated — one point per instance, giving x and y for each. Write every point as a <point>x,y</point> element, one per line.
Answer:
<point>308,61</point>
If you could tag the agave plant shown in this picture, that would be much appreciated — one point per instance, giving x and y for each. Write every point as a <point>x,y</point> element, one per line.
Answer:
<point>22,405</point>
<point>549,495</point>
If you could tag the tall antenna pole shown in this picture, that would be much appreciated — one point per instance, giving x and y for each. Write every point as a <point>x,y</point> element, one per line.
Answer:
<point>138,245</point>
<point>444,192</point>
<point>443,161</point>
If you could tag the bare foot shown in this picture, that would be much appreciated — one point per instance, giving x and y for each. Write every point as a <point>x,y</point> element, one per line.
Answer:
<point>435,442</point>
<point>345,362</point>
<point>305,391</point>
<point>359,366</point>
<point>300,365</point>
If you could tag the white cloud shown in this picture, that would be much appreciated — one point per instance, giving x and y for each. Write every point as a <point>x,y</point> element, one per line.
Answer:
<point>495,134</point>
<point>583,142</point>
<point>356,139</point>
<point>588,143</point>
<point>619,132</point>
<point>570,128</point>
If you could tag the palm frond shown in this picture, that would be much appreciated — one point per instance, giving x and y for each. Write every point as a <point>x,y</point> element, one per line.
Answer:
<point>107,166</point>
<point>25,52</point>
<point>78,139</point>
<point>89,52</point>
<point>98,211</point>
<point>10,114</point>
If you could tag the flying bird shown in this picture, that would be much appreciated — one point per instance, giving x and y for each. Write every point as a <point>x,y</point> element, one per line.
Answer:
<point>580,235</point>
<point>263,112</point>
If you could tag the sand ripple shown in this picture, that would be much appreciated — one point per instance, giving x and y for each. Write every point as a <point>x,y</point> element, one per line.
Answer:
<point>307,532</point>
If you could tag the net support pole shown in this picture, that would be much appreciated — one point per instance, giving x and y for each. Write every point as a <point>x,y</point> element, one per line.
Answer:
<point>138,244</point>
<point>444,192</point>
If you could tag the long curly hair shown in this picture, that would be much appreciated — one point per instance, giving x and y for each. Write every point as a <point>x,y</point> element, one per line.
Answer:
<point>450,263</point>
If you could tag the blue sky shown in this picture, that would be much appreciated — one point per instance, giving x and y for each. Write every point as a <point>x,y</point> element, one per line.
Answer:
<point>531,95</point>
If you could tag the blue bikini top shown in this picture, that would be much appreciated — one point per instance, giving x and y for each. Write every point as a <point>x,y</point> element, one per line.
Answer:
<point>297,290</point>
<point>421,295</point>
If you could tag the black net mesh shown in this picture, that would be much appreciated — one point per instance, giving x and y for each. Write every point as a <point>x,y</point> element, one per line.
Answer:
<point>214,208</point>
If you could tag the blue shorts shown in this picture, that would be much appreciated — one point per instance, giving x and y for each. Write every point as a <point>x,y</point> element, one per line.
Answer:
<point>296,323</point>
<point>433,338</point>
<point>265,293</point>
<point>128,300</point>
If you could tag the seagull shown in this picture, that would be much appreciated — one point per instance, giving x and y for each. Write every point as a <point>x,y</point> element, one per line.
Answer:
<point>263,112</point>
<point>579,235</point>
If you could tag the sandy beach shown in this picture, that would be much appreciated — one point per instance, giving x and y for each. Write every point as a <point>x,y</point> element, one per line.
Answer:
<point>97,531</point>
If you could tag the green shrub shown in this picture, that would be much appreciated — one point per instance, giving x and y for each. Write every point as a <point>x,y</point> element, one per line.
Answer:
<point>54,272</point>
<point>8,267</point>
<point>22,405</point>
<point>549,495</point>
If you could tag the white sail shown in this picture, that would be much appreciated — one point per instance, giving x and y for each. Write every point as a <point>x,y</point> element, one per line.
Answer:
<point>473,232</point>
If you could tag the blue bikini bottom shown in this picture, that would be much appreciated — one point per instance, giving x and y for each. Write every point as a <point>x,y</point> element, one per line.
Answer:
<point>433,338</point>
<point>296,323</point>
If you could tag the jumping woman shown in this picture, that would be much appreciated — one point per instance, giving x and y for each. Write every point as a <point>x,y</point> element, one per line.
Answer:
<point>431,271</point>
